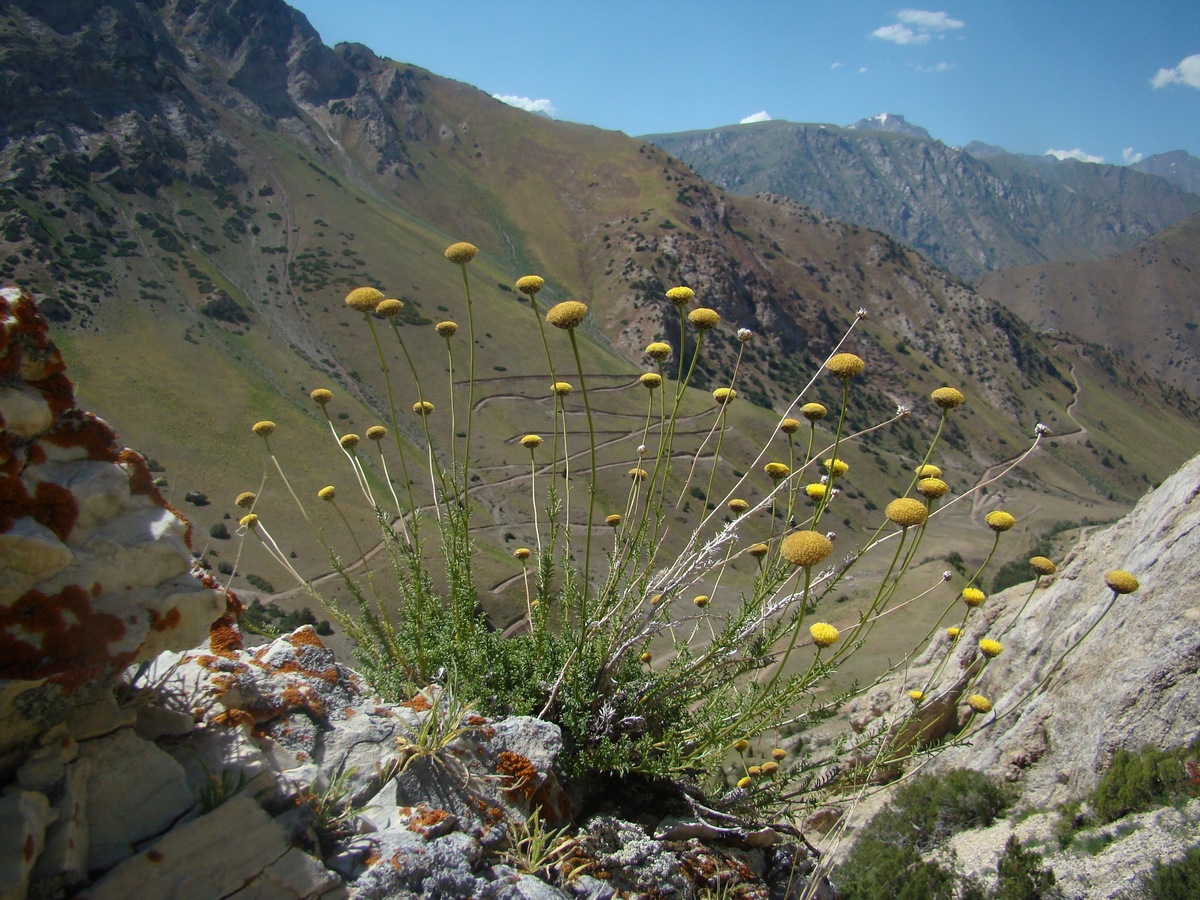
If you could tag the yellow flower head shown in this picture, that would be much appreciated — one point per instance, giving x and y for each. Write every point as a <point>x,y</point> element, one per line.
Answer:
<point>947,397</point>
<point>568,314</point>
<point>777,470</point>
<point>638,474</point>
<point>789,426</point>
<point>646,657</point>
<point>916,696</point>
<point>658,350</point>
<point>928,471</point>
<point>364,299</point>
<point>376,433</point>
<point>681,296</point>
<point>845,365</point>
<point>779,754</point>
<point>999,520</point>
<point>446,329</point>
<point>770,768</point>
<point>321,396</point>
<point>816,491</point>
<point>327,493</point>
<point>651,380</point>
<point>349,441</point>
<point>250,520</point>
<point>245,499</point>
<point>701,600</point>
<point>979,703</point>
<point>422,407</point>
<point>704,318</point>
<point>562,388</point>
<point>973,596</point>
<point>953,633</point>
<point>265,428</point>
<point>738,506</point>
<point>744,782</point>
<point>836,467</point>
<point>390,308</point>
<point>1121,581</point>
<point>612,521</point>
<point>530,284</point>
<point>522,553</point>
<point>724,395</point>
<point>531,441</point>
<point>461,253</point>
<point>741,745</point>
<point>814,412</point>
<point>758,551</point>
<point>1042,565</point>
<point>932,487</point>
<point>823,634</point>
<point>906,512</point>
<point>805,548</point>
<point>754,771</point>
<point>989,648</point>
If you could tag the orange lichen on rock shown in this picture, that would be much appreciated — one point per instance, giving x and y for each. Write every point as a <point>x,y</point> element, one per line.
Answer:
<point>232,718</point>
<point>58,636</point>
<point>419,703</point>
<point>304,637</point>
<point>224,639</point>
<point>521,775</point>
<point>167,622</point>
<point>141,480</point>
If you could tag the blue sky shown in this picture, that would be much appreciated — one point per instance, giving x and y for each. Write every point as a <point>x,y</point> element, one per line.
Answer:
<point>1106,80</point>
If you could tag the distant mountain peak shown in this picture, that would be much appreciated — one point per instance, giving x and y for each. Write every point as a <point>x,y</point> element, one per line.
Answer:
<point>890,122</point>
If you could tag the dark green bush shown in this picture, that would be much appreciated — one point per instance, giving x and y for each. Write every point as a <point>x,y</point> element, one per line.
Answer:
<point>1137,782</point>
<point>890,855</point>
<point>1022,877</point>
<point>1178,880</point>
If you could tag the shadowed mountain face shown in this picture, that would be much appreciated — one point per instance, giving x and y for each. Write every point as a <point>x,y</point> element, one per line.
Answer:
<point>969,213</point>
<point>194,185</point>
<point>1141,302</point>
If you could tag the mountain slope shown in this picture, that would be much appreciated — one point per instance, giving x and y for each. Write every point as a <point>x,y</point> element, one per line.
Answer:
<point>194,226</point>
<point>967,213</point>
<point>1140,303</point>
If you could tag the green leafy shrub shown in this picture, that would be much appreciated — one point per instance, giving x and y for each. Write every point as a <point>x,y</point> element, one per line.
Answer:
<point>1135,782</point>
<point>1177,880</point>
<point>1022,877</point>
<point>617,650</point>
<point>891,853</point>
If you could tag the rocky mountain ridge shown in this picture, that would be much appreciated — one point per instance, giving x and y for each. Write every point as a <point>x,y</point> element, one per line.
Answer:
<point>970,213</point>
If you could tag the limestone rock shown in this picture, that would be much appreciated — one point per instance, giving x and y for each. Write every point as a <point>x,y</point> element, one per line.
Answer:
<point>25,815</point>
<point>1130,683</point>
<point>96,573</point>
<point>135,792</point>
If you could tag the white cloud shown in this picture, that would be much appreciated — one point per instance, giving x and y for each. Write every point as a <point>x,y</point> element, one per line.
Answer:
<point>940,67</point>
<point>837,65</point>
<point>917,26</point>
<point>899,34</point>
<point>535,106</point>
<point>763,116</point>
<point>1075,154</point>
<point>929,21</point>
<point>1130,156</point>
<point>862,70</point>
<point>1186,73</point>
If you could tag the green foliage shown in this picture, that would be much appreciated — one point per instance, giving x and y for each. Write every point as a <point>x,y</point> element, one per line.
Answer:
<point>891,853</point>
<point>1136,782</point>
<point>639,677</point>
<point>219,532</point>
<point>270,618</point>
<point>1132,783</point>
<point>1021,877</point>
<point>1177,880</point>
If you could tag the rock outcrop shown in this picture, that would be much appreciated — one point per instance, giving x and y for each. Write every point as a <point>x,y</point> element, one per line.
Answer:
<point>1130,683</point>
<point>96,573</point>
